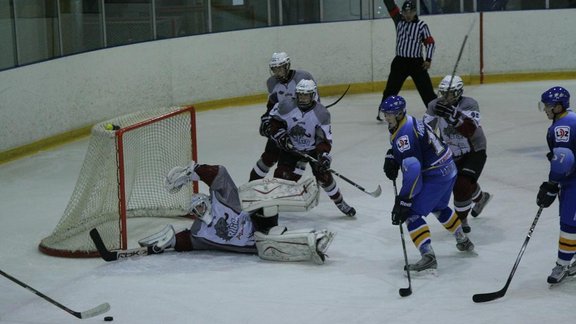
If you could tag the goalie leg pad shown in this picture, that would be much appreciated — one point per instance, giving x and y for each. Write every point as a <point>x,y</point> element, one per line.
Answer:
<point>298,245</point>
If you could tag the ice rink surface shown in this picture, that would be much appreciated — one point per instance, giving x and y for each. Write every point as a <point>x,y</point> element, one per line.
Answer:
<point>358,284</point>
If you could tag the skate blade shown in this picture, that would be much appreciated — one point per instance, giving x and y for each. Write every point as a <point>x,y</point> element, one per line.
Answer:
<point>428,273</point>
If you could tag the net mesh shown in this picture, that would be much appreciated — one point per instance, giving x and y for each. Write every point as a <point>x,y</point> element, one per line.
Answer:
<point>149,144</point>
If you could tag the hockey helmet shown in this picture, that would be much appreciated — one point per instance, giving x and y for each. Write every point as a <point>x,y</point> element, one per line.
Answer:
<point>393,105</point>
<point>451,88</point>
<point>554,96</point>
<point>305,94</point>
<point>280,66</point>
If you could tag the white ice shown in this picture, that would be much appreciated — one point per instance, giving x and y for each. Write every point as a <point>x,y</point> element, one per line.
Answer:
<point>360,281</point>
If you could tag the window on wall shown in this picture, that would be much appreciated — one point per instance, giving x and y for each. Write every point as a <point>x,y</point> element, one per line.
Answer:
<point>81,22</point>
<point>128,21</point>
<point>8,52</point>
<point>176,18</point>
<point>36,26</point>
<point>300,12</point>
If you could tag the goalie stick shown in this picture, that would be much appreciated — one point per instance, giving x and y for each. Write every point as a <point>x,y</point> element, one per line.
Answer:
<point>376,193</point>
<point>113,255</point>
<point>481,298</point>
<point>338,100</point>
<point>404,292</point>
<point>100,309</point>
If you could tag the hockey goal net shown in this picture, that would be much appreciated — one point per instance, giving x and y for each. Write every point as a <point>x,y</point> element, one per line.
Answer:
<point>120,189</point>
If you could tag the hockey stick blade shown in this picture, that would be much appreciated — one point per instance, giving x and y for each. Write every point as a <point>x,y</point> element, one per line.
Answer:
<point>482,298</point>
<point>100,309</point>
<point>338,100</point>
<point>114,255</point>
<point>405,292</point>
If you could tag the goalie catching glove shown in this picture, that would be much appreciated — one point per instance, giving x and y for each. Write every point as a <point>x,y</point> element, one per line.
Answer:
<point>448,112</point>
<point>298,245</point>
<point>180,176</point>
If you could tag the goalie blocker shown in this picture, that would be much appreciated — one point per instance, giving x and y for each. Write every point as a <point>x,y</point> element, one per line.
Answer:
<point>226,219</point>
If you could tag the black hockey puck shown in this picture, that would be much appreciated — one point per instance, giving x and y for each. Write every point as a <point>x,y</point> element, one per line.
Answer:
<point>108,318</point>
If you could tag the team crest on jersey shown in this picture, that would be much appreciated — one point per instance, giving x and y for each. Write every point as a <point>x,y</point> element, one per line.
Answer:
<point>403,143</point>
<point>562,133</point>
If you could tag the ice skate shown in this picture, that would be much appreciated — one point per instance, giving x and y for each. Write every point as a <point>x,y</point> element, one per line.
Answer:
<point>463,243</point>
<point>479,206</point>
<point>347,210</point>
<point>559,273</point>
<point>427,264</point>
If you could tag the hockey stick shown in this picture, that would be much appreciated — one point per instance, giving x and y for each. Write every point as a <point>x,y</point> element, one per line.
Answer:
<point>481,298</point>
<point>113,255</point>
<point>100,309</point>
<point>404,292</point>
<point>342,96</point>
<point>460,54</point>
<point>375,193</point>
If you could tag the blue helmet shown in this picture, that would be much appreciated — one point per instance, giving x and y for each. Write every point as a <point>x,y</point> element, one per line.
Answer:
<point>556,95</point>
<point>393,105</point>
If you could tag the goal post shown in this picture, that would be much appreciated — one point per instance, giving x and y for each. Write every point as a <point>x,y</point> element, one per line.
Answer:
<point>120,189</point>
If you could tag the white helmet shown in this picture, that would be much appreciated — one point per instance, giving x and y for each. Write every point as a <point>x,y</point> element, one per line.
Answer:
<point>305,93</point>
<point>280,66</point>
<point>200,207</point>
<point>279,59</point>
<point>451,86</point>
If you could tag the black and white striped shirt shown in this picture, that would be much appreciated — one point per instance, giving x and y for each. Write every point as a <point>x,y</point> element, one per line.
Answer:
<point>411,37</point>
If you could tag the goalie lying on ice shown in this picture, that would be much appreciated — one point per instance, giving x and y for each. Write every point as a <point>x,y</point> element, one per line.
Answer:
<point>223,224</point>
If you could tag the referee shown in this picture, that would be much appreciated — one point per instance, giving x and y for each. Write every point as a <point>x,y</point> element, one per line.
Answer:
<point>412,37</point>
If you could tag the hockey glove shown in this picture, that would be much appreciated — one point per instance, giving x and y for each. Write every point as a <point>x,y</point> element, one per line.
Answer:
<point>448,112</point>
<point>401,210</point>
<point>283,141</point>
<point>324,162</point>
<point>547,193</point>
<point>391,167</point>
<point>265,125</point>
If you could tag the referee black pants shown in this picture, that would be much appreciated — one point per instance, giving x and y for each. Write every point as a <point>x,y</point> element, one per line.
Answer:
<point>400,70</point>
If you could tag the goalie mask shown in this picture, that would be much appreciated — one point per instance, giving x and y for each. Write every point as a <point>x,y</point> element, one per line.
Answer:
<point>305,94</point>
<point>200,206</point>
<point>280,66</point>
<point>451,89</point>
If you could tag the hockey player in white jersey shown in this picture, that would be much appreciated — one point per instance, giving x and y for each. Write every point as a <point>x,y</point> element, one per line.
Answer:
<point>302,126</point>
<point>458,119</point>
<point>221,224</point>
<point>281,86</point>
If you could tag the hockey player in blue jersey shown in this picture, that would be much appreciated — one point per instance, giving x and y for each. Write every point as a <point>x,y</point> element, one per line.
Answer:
<point>428,176</point>
<point>562,178</point>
